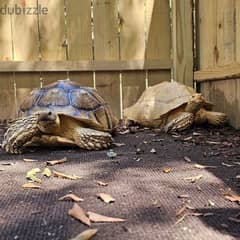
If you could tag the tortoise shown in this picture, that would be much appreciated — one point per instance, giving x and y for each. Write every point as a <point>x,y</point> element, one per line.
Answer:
<point>62,113</point>
<point>172,106</point>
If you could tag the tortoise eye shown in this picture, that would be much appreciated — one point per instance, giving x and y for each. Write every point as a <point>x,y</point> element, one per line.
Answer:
<point>49,113</point>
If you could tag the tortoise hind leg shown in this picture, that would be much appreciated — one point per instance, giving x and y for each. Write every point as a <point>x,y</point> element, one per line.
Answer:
<point>214,118</point>
<point>91,139</point>
<point>181,122</point>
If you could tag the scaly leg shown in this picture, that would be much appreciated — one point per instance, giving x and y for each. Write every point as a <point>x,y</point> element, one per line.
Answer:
<point>181,122</point>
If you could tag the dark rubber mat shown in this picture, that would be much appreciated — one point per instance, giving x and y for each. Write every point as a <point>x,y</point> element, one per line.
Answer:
<point>145,196</point>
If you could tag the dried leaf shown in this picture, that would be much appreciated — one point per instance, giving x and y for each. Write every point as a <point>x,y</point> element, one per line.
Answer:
<point>31,185</point>
<point>111,154</point>
<point>236,220</point>
<point>187,159</point>
<point>54,162</point>
<point>47,172</point>
<point>232,197</point>
<point>29,160</point>
<point>95,217</point>
<point>62,175</point>
<point>86,235</point>
<point>100,183</point>
<point>199,166</point>
<point>71,196</point>
<point>167,169</point>
<point>31,175</point>
<point>106,197</point>
<point>194,178</point>
<point>78,213</point>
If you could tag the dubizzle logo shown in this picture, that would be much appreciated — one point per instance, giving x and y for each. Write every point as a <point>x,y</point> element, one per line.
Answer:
<point>23,9</point>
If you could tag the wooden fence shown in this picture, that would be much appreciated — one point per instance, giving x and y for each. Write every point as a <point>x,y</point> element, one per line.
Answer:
<point>218,52</point>
<point>119,47</point>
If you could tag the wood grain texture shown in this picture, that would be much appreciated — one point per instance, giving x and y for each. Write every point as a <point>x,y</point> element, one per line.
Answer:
<point>79,33</point>
<point>182,42</point>
<point>84,78</point>
<point>52,31</point>
<point>237,31</point>
<point>155,77</point>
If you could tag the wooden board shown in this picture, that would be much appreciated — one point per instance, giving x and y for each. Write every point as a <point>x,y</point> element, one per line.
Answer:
<point>52,31</point>
<point>182,42</point>
<point>155,77</point>
<point>25,34</point>
<point>237,31</point>
<point>106,47</point>
<point>79,32</point>
<point>5,35</point>
<point>84,78</point>
<point>7,97</point>
<point>50,77</point>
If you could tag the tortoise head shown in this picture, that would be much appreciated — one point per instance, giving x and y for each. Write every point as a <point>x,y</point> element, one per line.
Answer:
<point>48,122</point>
<point>194,104</point>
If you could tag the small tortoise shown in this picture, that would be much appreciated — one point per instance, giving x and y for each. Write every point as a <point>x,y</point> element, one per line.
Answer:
<point>172,107</point>
<point>63,113</point>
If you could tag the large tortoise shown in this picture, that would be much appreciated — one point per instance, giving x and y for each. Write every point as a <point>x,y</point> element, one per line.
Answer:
<point>172,107</point>
<point>63,113</point>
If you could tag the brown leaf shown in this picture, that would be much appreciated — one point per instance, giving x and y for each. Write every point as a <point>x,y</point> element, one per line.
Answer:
<point>106,197</point>
<point>31,185</point>
<point>78,213</point>
<point>187,159</point>
<point>194,178</point>
<point>54,162</point>
<point>86,235</point>
<point>73,197</point>
<point>29,160</point>
<point>102,183</point>
<point>167,169</point>
<point>62,175</point>
<point>232,197</point>
<point>95,217</point>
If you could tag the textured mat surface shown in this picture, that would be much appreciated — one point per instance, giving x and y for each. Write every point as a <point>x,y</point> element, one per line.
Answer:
<point>145,196</point>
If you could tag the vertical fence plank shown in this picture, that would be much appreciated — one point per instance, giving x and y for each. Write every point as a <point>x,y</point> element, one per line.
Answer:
<point>7,94</point>
<point>237,24</point>
<point>79,37</point>
<point>26,48</point>
<point>106,47</point>
<point>158,38</point>
<point>132,47</point>
<point>182,42</point>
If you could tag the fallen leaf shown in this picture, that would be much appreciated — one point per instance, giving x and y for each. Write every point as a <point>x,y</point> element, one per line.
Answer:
<point>78,213</point>
<point>31,185</point>
<point>153,150</point>
<point>62,175</point>
<point>193,179</point>
<point>167,169</point>
<point>47,172</point>
<point>95,217</point>
<point>29,160</point>
<point>236,220</point>
<point>111,154</point>
<point>227,165</point>
<point>119,144</point>
<point>232,197</point>
<point>187,159</point>
<point>71,196</point>
<point>31,175</point>
<point>54,162</point>
<point>86,235</point>
<point>199,166</point>
<point>183,196</point>
<point>106,197</point>
<point>100,183</point>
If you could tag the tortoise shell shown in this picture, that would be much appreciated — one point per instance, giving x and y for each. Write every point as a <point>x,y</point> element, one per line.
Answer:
<point>160,100</point>
<point>71,99</point>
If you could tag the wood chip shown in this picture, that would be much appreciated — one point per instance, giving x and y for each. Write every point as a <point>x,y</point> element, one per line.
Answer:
<point>95,217</point>
<point>106,197</point>
<point>167,169</point>
<point>232,219</point>
<point>232,197</point>
<point>181,211</point>
<point>29,160</point>
<point>213,143</point>
<point>211,203</point>
<point>227,165</point>
<point>187,159</point>
<point>180,219</point>
<point>31,185</point>
<point>54,162</point>
<point>103,184</point>
<point>194,178</point>
<point>62,175</point>
<point>71,196</point>
<point>183,196</point>
<point>78,213</point>
<point>199,166</point>
<point>118,144</point>
<point>86,235</point>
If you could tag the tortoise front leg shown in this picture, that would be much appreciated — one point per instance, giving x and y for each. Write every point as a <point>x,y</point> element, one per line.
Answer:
<point>181,122</point>
<point>20,132</point>
<point>91,139</point>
